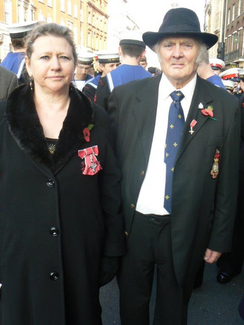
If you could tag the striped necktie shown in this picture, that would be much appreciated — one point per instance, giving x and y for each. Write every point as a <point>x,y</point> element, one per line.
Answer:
<point>176,123</point>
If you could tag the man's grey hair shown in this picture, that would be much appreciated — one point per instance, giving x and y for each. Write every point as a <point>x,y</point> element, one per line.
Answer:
<point>202,51</point>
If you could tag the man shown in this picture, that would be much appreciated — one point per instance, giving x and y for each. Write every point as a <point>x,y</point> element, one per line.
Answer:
<point>178,204</point>
<point>84,65</point>
<point>217,65</point>
<point>143,62</point>
<point>15,61</point>
<point>107,62</point>
<point>206,72</point>
<point>8,82</point>
<point>131,50</point>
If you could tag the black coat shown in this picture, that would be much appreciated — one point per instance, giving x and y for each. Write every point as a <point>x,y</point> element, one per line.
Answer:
<point>203,208</point>
<point>55,222</point>
<point>8,82</point>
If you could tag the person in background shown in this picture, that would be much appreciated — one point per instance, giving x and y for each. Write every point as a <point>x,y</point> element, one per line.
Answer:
<point>233,75</point>
<point>8,82</point>
<point>206,72</point>
<point>15,61</point>
<point>217,65</point>
<point>83,67</point>
<point>62,231</point>
<point>107,62</point>
<point>143,62</point>
<point>229,85</point>
<point>178,147</point>
<point>230,264</point>
<point>154,71</point>
<point>131,50</point>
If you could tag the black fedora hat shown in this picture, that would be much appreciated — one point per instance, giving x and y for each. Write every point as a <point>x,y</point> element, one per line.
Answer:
<point>179,21</point>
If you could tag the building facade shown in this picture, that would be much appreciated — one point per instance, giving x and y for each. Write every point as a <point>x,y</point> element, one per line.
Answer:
<point>88,19</point>
<point>225,18</point>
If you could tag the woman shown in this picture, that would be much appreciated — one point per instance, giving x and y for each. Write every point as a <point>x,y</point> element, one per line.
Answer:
<point>60,199</point>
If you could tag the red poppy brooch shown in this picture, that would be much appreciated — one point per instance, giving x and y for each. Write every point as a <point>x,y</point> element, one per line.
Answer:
<point>86,132</point>
<point>207,111</point>
<point>90,165</point>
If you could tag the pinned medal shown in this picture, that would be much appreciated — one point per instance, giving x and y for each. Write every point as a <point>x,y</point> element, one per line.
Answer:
<point>215,168</point>
<point>200,106</point>
<point>193,123</point>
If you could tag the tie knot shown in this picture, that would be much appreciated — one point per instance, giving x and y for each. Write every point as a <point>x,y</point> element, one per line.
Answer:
<point>177,96</point>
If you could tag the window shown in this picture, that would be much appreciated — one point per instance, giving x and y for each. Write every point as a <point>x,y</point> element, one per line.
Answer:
<point>75,11</point>
<point>49,3</point>
<point>69,8</point>
<point>233,12</point>
<point>81,15</point>
<point>40,16</point>
<point>8,11</point>
<point>228,18</point>
<point>239,8</point>
<point>62,5</point>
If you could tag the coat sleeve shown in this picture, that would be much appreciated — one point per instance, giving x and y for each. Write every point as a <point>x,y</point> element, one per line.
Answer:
<point>13,83</point>
<point>226,194</point>
<point>109,182</point>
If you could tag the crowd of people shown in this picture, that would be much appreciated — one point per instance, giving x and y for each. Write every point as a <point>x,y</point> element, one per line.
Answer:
<point>112,168</point>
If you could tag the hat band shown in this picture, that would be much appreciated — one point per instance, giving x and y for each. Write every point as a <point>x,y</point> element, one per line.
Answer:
<point>18,35</point>
<point>230,76</point>
<point>109,60</point>
<point>132,42</point>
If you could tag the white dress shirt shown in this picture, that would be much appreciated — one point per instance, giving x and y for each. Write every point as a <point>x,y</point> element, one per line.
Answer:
<point>151,196</point>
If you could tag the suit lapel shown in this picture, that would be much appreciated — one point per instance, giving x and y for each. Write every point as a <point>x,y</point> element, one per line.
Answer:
<point>200,96</point>
<point>145,114</point>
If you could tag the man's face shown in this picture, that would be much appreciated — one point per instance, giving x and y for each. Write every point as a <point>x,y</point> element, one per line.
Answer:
<point>108,67</point>
<point>178,59</point>
<point>82,71</point>
<point>242,84</point>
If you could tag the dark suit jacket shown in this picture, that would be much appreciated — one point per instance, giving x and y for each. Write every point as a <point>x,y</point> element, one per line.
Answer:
<point>203,208</point>
<point>8,81</point>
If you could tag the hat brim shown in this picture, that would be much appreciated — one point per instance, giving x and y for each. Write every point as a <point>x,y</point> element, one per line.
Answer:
<point>151,38</point>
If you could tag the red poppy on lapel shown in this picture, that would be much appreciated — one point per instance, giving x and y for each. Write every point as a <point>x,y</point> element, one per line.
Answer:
<point>208,111</point>
<point>90,164</point>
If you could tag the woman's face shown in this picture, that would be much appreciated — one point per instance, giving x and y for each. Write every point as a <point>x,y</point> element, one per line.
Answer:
<point>51,64</point>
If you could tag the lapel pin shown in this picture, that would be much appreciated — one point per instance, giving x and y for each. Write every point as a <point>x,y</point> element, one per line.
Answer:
<point>200,106</point>
<point>192,125</point>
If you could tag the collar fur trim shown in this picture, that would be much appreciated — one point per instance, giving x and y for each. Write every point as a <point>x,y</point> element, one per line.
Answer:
<point>26,129</point>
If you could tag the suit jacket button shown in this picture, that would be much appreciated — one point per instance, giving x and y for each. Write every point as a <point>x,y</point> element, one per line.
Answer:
<point>54,276</point>
<point>50,183</point>
<point>54,231</point>
<point>132,206</point>
<point>126,234</point>
<point>142,173</point>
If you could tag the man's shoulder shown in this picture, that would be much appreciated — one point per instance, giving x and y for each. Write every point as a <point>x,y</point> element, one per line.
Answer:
<point>216,92</point>
<point>138,84</point>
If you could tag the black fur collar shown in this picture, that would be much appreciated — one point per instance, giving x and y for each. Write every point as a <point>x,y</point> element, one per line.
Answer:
<point>26,129</point>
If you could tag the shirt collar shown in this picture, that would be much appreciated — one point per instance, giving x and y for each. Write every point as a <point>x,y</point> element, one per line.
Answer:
<point>166,88</point>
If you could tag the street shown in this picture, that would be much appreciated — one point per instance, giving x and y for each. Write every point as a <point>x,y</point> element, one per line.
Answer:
<point>212,304</point>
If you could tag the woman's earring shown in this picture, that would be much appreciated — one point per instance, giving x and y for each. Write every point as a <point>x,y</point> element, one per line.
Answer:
<point>31,83</point>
